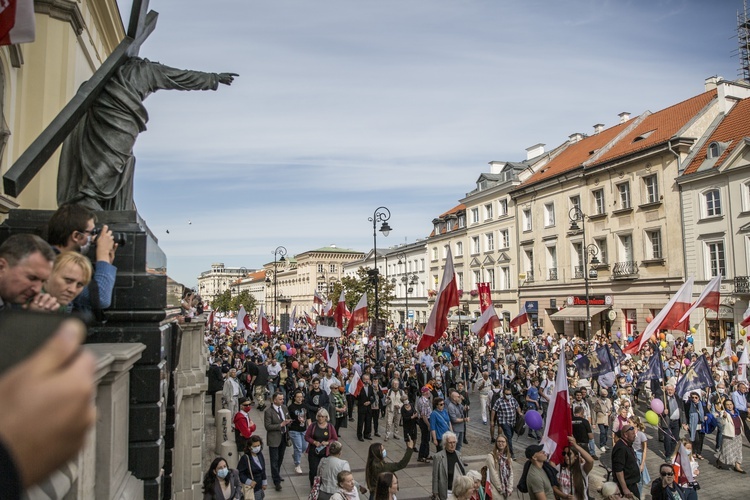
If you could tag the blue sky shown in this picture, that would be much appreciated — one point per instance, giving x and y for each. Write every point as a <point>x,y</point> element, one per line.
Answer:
<point>343,106</point>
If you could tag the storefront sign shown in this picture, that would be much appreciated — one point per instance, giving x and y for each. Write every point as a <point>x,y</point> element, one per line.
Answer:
<point>594,300</point>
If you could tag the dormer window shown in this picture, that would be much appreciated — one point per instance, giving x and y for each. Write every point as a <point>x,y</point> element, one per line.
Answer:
<point>713,150</point>
<point>481,185</point>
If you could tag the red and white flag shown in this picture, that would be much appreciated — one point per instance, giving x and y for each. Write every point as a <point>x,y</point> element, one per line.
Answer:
<point>447,297</point>
<point>523,317</point>
<point>328,308</point>
<point>742,366</point>
<point>487,487</point>
<point>355,385</point>
<point>309,320</point>
<point>679,304</point>
<point>210,321</point>
<point>488,321</point>
<point>331,353</point>
<point>341,311</point>
<point>559,423</point>
<point>17,21</point>
<point>359,315</point>
<point>746,317</point>
<point>317,298</point>
<point>263,325</point>
<point>243,320</point>
<point>684,469</point>
<point>709,299</point>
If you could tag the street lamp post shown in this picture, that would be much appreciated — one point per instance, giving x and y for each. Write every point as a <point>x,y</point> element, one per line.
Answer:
<point>280,251</point>
<point>575,214</point>
<point>381,214</point>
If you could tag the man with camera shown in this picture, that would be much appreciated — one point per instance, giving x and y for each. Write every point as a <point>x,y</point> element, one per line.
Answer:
<point>73,228</point>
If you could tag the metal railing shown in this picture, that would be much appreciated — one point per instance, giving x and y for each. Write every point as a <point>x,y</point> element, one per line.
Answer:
<point>742,284</point>
<point>553,274</point>
<point>578,272</point>
<point>624,269</point>
<point>529,276</point>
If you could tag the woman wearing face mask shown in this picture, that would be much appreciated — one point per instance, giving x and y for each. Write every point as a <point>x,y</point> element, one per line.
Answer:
<point>252,467</point>
<point>221,482</point>
<point>298,414</point>
<point>376,463</point>
<point>696,415</point>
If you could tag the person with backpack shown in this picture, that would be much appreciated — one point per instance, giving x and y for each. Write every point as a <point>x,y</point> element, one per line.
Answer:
<point>538,475</point>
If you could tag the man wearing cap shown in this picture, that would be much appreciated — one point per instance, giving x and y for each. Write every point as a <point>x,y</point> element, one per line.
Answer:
<point>424,410</point>
<point>625,464</point>
<point>537,482</point>
<point>243,425</point>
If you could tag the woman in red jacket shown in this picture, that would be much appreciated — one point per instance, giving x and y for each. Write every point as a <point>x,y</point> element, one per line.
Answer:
<point>243,425</point>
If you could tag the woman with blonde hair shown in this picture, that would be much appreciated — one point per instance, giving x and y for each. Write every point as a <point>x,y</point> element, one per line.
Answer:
<point>70,275</point>
<point>500,469</point>
<point>319,435</point>
<point>463,488</point>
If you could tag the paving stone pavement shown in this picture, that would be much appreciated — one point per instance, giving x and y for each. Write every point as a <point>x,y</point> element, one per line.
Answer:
<point>415,482</point>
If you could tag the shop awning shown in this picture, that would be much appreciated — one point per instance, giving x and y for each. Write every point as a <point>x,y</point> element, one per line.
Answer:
<point>577,313</point>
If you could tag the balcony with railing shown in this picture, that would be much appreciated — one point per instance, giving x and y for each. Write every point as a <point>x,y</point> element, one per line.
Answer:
<point>742,284</point>
<point>553,274</point>
<point>578,272</point>
<point>529,276</point>
<point>625,270</point>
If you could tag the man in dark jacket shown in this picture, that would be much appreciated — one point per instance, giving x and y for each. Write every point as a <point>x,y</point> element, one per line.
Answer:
<point>664,487</point>
<point>215,382</point>
<point>316,399</point>
<point>259,385</point>
<point>365,399</point>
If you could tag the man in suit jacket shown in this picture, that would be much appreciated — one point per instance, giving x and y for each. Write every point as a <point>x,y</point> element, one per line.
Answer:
<point>276,420</point>
<point>365,399</point>
<point>215,382</point>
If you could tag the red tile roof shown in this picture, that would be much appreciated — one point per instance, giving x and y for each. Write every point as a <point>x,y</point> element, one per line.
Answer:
<point>574,155</point>
<point>657,128</point>
<point>733,128</point>
<point>453,210</point>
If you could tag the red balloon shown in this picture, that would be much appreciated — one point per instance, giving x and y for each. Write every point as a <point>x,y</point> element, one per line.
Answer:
<point>649,318</point>
<point>295,364</point>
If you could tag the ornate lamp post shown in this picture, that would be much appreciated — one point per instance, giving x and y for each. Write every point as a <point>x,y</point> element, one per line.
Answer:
<point>575,214</point>
<point>381,214</point>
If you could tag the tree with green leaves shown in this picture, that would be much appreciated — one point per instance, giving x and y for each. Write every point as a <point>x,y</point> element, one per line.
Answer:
<point>355,286</point>
<point>244,299</point>
<point>222,302</point>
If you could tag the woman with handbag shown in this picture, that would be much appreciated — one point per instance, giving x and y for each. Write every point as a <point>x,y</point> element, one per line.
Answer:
<point>252,470</point>
<point>730,453</point>
<point>319,435</point>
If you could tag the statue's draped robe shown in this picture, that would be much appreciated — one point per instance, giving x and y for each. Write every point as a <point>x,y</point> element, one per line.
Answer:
<point>97,162</point>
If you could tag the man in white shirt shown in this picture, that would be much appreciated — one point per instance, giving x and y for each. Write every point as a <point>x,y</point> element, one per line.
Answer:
<point>329,379</point>
<point>273,373</point>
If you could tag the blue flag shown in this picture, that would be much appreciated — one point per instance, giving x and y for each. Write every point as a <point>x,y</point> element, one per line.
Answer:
<point>698,376</point>
<point>595,363</point>
<point>655,368</point>
<point>617,353</point>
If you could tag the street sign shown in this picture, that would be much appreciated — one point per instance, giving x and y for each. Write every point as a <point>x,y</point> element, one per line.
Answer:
<point>411,313</point>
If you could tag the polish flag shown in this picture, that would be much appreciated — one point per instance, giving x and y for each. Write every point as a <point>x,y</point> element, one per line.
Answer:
<point>263,324</point>
<point>559,421</point>
<point>680,303</point>
<point>17,22</point>
<point>341,311</point>
<point>746,317</point>
<point>682,465</point>
<point>210,321</point>
<point>742,366</point>
<point>684,298</point>
<point>355,385</point>
<point>317,298</point>
<point>293,318</point>
<point>709,299</point>
<point>519,320</point>
<point>359,316</point>
<point>447,297</point>
<point>309,320</point>
<point>328,309</point>
<point>243,320</point>
<point>487,487</point>
<point>332,358</point>
<point>486,323</point>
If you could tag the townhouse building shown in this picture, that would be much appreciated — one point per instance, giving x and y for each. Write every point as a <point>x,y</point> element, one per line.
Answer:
<point>715,196</point>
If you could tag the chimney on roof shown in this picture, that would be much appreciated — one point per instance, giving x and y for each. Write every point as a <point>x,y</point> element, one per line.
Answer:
<point>712,81</point>
<point>534,151</point>
<point>575,137</point>
<point>497,166</point>
<point>624,116</point>
<point>598,128</point>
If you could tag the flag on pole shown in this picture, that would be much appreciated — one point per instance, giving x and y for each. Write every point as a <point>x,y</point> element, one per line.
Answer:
<point>487,487</point>
<point>317,298</point>
<point>355,385</point>
<point>523,317</point>
<point>488,320</point>
<point>243,320</point>
<point>328,308</point>
<point>708,299</point>
<point>293,318</point>
<point>359,315</point>
<point>698,376</point>
<point>447,297</point>
<point>746,317</point>
<point>309,320</point>
<point>332,357</point>
<point>263,325</point>
<point>679,304</point>
<point>655,369</point>
<point>341,311</point>
<point>210,321</point>
<point>682,466</point>
<point>559,423</point>
<point>17,22</point>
